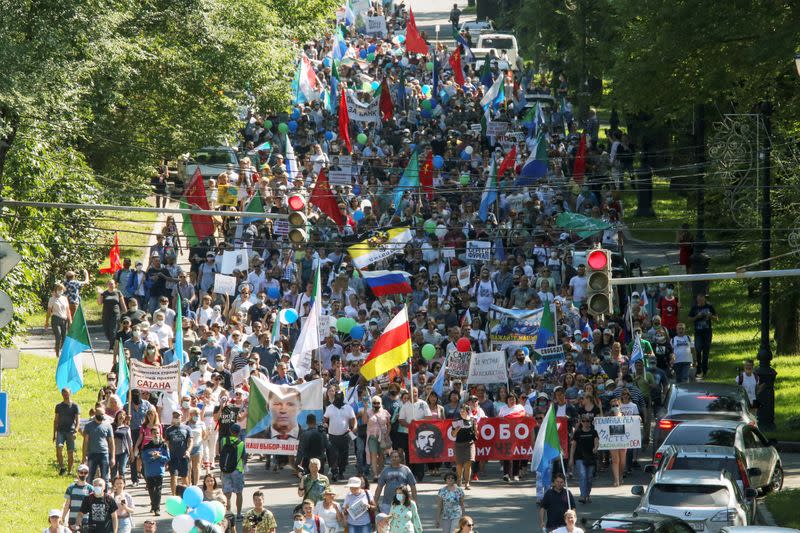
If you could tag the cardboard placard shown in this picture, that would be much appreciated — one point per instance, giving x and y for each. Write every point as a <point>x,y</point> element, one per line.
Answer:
<point>619,432</point>
<point>340,170</point>
<point>488,367</point>
<point>479,250</point>
<point>225,284</point>
<point>463,274</point>
<point>458,364</point>
<point>234,260</point>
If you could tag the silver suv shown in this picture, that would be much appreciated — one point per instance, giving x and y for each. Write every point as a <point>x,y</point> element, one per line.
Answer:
<point>707,501</point>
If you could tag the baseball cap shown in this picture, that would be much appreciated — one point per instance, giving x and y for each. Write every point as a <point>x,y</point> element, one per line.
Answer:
<point>83,468</point>
<point>354,482</point>
<point>235,429</point>
<point>54,512</point>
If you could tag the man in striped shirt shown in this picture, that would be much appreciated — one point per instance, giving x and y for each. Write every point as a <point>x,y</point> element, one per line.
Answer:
<point>74,495</point>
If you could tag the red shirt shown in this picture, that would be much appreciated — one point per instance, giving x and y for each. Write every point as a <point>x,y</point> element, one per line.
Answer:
<point>669,312</point>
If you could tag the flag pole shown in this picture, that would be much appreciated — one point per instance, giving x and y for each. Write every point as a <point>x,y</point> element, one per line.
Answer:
<point>91,347</point>
<point>564,471</point>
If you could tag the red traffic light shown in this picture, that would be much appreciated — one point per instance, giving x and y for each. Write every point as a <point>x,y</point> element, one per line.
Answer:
<point>597,260</point>
<point>296,203</point>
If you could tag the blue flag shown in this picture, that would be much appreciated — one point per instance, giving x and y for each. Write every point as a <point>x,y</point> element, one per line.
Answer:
<point>489,196</point>
<point>69,371</point>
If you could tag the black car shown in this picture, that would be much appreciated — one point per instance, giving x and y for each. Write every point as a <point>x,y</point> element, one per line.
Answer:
<point>702,401</point>
<point>636,523</point>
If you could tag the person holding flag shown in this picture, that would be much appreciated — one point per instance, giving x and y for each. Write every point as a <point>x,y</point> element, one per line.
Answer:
<point>558,499</point>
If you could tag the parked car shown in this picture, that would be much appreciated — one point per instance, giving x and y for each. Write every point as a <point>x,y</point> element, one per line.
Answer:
<point>476,27</point>
<point>758,451</point>
<point>636,523</point>
<point>758,529</point>
<point>707,501</point>
<point>700,400</point>
<point>497,42</point>
<point>706,457</point>
<point>211,160</point>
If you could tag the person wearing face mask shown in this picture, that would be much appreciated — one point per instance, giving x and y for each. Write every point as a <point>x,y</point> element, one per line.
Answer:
<point>404,517</point>
<point>98,445</point>
<point>137,288</point>
<point>76,492</point>
<point>100,509</point>
<point>203,373</point>
<point>136,345</point>
<point>163,331</point>
<point>179,439</point>
<point>155,456</point>
<point>340,419</point>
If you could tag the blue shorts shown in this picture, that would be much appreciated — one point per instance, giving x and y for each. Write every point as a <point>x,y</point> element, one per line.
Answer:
<point>233,483</point>
<point>66,437</point>
<point>180,465</point>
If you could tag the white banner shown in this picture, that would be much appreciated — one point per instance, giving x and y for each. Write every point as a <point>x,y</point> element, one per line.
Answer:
<point>463,274</point>
<point>155,378</point>
<point>340,170</point>
<point>488,367</point>
<point>479,250</point>
<point>376,26</point>
<point>361,112</point>
<point>619,432</point>
<point>234,260</point>
<point>496,128</point>
<point>224,284</point>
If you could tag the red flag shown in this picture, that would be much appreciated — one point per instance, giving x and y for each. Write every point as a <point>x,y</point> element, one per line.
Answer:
<point>579,168</point>
<point>195,195</point>
<point>323,198</point>
<point>415,44</point>
<point>386,105</point>
<point>455,63</point>
<point>508,162</point>
<point>344,121</point>
<point>113,258</point>
<point>426,176</point>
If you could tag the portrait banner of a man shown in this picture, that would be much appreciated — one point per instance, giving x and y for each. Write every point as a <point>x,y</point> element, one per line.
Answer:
<point>276,415</point>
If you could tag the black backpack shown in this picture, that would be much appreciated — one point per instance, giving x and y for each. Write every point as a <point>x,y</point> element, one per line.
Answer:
<point>229,455</point>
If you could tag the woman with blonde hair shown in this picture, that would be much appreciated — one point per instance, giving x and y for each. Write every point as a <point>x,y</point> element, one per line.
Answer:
<point>465,525</point>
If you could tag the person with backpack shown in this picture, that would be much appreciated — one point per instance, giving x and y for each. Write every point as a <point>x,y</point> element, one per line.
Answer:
<point>100,508</point>
<point>232,459</point>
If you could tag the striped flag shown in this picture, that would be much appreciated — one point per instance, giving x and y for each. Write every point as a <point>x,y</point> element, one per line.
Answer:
<point>386,282</point>
<point>69,371</point>
<point>391,349</point>
<point>547,446</point>
<point>382,245</point>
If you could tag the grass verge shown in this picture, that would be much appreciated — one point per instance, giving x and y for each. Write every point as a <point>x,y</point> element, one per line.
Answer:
<point>28,472</point>
<point>783,506</point>
<point>671,211</point>
<point>132,242</point>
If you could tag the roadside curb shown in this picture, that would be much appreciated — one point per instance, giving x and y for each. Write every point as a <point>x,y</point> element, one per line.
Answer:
<point>764,516</point>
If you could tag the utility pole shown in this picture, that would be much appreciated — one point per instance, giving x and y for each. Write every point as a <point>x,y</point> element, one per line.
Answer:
<point>766,374</point>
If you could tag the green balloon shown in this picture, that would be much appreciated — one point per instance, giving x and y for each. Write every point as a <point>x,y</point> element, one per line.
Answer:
<point>219,511</point>
<point>429,226</point>
<point>429,66</point>
<point>341,325</point>
<point>426,104</point>
<point>366,87</point>
<point>371,57</point>
<point>464,179</point>
<point>362,138</point>
<point>175,506</point>
<point>268,124</point>
<point>283,127</point>
<point>428,352</point>
<point>349,325</point>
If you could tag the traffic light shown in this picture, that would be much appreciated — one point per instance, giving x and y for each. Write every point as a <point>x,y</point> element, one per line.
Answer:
<point>298,223</point>
<point>599,294</point>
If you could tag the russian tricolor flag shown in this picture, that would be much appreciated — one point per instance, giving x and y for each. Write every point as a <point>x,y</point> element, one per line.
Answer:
<point>386,282</point>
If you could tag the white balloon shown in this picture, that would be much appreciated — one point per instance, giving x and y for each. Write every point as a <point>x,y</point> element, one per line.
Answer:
<point>182,523</point>
<point>441,231</point>
<point>468,149</point>
<point>404,61</point>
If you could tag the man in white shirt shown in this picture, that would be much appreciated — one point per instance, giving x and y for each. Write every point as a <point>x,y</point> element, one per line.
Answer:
<point>410,411</point>
<point>162,331</point>
<point>578,286</point>
<point>748,381</point>
<point>683,349</point>
<point>341,421</point>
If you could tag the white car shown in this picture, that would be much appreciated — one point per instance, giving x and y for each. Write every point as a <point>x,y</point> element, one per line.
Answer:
<point>476,27</point>
<point>707,501</point>
<point>211,160</point>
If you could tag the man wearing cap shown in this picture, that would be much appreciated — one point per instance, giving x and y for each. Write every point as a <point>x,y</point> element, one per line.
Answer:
<point>179,440</point>
<point>74,495</point>
<point>233,480</point>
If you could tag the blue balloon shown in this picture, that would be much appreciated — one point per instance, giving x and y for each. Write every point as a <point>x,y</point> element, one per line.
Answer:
<point>328,135</point>
<point>438,161</point>
<point>295,113</point>
<point>426,113</point>
<point>375,85</point>
<point>290,315</point>
<point>426,89</point>
<point>358,215</point>
<point>362,54</point>
<point>205,511</point>
<point>273,292</point>
<point>357,333</point>
<point>292,126</point>
<point>412,146</point>
<point>401,38</point>
<point>371,48</point>
<point>193,496</point>
<point>326,61</point>
<point>526,350</point>
<point>464,155</point>
<point>357,189</point>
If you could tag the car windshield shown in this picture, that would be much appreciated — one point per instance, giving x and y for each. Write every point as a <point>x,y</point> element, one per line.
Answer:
<point>715,464</point>
<point>701,435</point>
<point>497,43</point>
<point>213,157</point>
<point>709,403</point>
<point>675,495</point>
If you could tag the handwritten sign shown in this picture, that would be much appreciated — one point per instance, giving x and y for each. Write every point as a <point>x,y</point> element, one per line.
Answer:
<point>376,26</point>
<point>488,367</point>
<point>496,128</point>
<point>224,284</point>
<point>234,260</point>
<point>479,250</point>
<point>458,364</point>
<point>463,274</point>
<point>619,432</point>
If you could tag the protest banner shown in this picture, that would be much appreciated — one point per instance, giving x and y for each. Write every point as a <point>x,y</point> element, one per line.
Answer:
<point>448,252</point>
<point>618,432</point>
<point>487,368</point>
<point>458,364</point>
<point>479,250</point>
<point>376,26</point>
<point>276,414</point>
<point>463,274</point>
<point>496,128</point>
<point>340,170</point>
<point>515,326</point>
<point>155,378</point>
<point>227,194</point>
<point>281,227</point>
<point>234,260</point>
<point>550,354</point>
<point>511,438</point>
<point>224,284</point>
<point>476,127</point>
<point>363,112</point>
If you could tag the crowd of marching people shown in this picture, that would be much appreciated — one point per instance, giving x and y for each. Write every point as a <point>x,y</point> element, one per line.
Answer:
<point>422,166</point>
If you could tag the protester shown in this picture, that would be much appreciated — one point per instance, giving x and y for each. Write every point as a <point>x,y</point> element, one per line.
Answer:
<point>100,509</point>
<point>155,457</point>
<point>58,316</point>
<point>570,519</point>
<point>465,525</point>
<point>259,519</point>
<point>359,506</point>
<point>556,501</point>
<point>330,512</point>
<point>98,445</point>
<point>65,426</point>
<point>583,454</point>
<point>74,496</point>
<point>403,513</point>
<point>125,506</point>
<point>232,459</point>
<point>466,434</point>
<point>55,526</point>
<point>313,485</point>
<point>450,504</point>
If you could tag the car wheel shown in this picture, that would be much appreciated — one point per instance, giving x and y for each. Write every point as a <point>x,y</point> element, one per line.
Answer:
<point>776,481</point>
